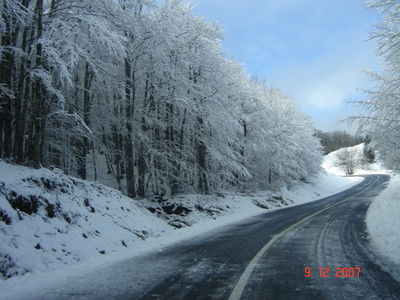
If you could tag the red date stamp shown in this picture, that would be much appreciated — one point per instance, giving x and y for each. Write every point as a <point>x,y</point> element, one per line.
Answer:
<point>341,272</point>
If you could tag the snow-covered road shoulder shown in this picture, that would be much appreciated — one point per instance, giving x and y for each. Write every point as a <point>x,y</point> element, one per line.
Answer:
<point>383,222</point>
<point>325,185</point>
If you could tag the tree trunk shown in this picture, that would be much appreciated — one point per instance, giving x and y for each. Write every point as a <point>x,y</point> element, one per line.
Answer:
<point>38,94</point>
<point>129,157</point>
<point>20,111</point>
<point>6,67</point>
<point>147,98</point>
<point>201,162</point>
<point>86,118</point>
<point>141,171</point>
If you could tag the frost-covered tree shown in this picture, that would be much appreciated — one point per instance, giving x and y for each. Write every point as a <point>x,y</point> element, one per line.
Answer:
<point>279,143</point>
<point>140,96</point>
<point>347,160</point>
<point>380,120</point>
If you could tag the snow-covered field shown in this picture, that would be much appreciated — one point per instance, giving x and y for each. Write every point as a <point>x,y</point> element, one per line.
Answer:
<point>50,222</point>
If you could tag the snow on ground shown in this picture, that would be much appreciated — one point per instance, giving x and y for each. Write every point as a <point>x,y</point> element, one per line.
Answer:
<point>330,160</point>
<point>49,220</point>
<point>383,222</point>
<point>53,225</point>
<point>326,184</point>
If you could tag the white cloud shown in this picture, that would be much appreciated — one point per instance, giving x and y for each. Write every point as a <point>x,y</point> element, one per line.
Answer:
<point>327,81</point>
<point>333,89</point>
<point>314,51</point>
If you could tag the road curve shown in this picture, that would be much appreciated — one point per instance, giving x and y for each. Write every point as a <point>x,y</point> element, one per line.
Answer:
<point>329,233</point>
<point>334,238</point>
<point>258,258</point>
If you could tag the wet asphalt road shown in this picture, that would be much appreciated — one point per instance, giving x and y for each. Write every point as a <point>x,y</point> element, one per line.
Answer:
<point>328,233</point>
<point>333,238</point>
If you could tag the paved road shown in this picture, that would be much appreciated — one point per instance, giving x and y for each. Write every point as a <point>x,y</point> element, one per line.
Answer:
<point>259,258</point>
<point>329,233</point>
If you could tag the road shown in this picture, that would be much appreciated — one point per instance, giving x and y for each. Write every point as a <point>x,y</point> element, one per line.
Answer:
<point>259,258</point>
<point>329,233</point>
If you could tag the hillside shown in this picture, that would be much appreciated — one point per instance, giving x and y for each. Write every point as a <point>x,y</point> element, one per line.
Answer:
<point>363,167</point>
<point>50,220</point>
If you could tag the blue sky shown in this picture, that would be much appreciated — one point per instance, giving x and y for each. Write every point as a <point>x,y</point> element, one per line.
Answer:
<point>315,51</point>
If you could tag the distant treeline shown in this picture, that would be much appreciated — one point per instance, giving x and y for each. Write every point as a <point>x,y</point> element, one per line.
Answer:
<point>335,140</point>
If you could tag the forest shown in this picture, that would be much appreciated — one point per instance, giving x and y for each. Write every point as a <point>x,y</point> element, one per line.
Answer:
<point>142,92</point>
<point>337,139</point>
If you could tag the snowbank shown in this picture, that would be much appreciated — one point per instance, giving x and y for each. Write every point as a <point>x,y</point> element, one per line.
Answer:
<point>48,220</point>
<point>383,221</point>
<point>326,184</point>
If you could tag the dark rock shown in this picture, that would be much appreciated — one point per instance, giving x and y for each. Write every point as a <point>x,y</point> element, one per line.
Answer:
<point>178,223</point>
<point>50,210</point>
<point>176,209</point>
<point>49,185</point>
<point>198,207</point>
<point>151,209</point>
<point>21,203</point>
<point>87,204</point>
<point>66,218</point>
<point>4,217</point>
<point>7,267</point>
